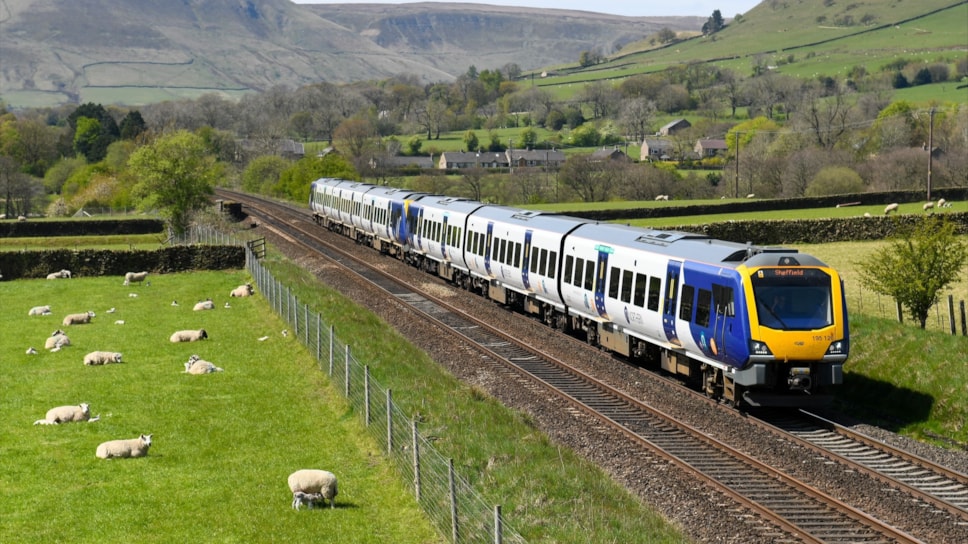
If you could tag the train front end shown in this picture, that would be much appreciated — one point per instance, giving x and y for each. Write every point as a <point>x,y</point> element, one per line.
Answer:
<point>799,335</point>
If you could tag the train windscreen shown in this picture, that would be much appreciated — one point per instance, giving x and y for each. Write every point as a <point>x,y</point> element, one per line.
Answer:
<point>793,298</point>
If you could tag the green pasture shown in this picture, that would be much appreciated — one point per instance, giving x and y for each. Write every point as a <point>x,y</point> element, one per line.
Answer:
<point>223,444</point>
<point>116,241</point>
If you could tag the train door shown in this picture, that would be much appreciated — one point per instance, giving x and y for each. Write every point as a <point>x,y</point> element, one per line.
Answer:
<point>673,270</point>
<point>398,224</point>
<point>601,272</point>
<point>724,313</point>
<point>488,240</point>
<point>525,263</point>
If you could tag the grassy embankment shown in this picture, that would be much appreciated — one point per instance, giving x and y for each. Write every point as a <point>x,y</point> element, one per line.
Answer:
<point>224,443</point>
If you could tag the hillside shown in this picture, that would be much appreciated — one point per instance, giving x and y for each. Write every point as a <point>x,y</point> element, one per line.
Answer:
<point>141,51</point>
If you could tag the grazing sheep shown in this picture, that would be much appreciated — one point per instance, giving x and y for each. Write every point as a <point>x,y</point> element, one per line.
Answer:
<point>309,499</point>
<point>314,481</point>
<point>57,340</point>
<point>188,336</point>
<point>102,358</point>
<point>77,319</point>
<point>40,310</point>
<point>174,303</point>
<point>751,195</point>
<point>242,291</point>
<point>927,206</point>
<point>134,447</point>
<point>59,274</point>
<point>134,277</point>
<point>31,351</point>
<point>119,322</point>
<point>942,203</point>
<point>197,365</point>
<point>206,304</point>
<point>67,414</point>
<point>890,208</point>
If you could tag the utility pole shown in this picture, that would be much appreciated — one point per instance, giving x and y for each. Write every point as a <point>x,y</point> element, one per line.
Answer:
<point>930,150</point>
<point>736,140</point>
<point>510,156</point>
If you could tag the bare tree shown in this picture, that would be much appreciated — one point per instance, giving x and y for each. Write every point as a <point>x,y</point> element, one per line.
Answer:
<point>826,117</point>
<point>601,96</point>
<point>637,116</point>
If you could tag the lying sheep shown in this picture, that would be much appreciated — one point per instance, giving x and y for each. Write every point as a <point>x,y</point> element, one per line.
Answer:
<point>890,208</point>
<point>57,340</point>
<point>59,274</point>
<point>206,304</point>
<point>242,291</point>
<point>102,358</point>
<point>309,499</point>
<point>40,310</point>
<point>134,447</point>
<point>188,336</point>
<point>134,277</point>
<point>314,481</point>
<point>67,414</point>
<point>77,319</point>
<point>197,365</point>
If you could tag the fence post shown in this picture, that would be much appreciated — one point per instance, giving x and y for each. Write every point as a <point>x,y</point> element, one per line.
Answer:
<point>366,395</point>
<point>346,372</point>
<point>454,524</point>
<point>416,460</point>
<point>331,333</point>
<point>306,323</point>
<point>498,525</point>
<point>951,315</point>
<point>900,312</point>
<point>389,422</point>
<point>319,339</point>
<point>964,324</point>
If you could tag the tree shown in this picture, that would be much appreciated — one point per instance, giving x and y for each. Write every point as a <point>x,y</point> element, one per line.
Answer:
<point>175,174</point>
<point>713,24</point>
<point>470,141</point>
<point>917,265</point>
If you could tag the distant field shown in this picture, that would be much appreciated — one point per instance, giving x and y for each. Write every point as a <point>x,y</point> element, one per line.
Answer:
<point>132,241</point>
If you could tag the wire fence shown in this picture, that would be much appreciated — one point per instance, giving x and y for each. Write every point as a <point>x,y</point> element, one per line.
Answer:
<point>948,316</point>
<point>450,502</point>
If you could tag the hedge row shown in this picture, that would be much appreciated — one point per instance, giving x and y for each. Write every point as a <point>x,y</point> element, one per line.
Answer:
<point>102,262</point>
<point>87,227</point>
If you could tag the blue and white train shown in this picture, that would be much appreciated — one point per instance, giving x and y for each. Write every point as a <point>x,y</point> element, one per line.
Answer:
<point>750,325</point>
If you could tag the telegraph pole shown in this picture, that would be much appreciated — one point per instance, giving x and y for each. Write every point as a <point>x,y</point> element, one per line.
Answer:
<point>930,150</point>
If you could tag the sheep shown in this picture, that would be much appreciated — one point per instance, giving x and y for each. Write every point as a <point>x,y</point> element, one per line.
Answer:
<point>31,351</point>
<point>197,365</point>
<point>40,310</point>
<point>134,277</point>
<point>77,319</point>
<point>242,291</point>
<point>57,340</point>
<point>206,304</point>
<point>134,447</point>
<point>102,358</point>
<point>188,336</point>
<point>751,195</point>
<point>309,499</point>
<point>314,481</point>
<point>942,203</point>
<point>927,206</point>
<point>890,208</point>
<point>59,274</point>
<point>67,414</point>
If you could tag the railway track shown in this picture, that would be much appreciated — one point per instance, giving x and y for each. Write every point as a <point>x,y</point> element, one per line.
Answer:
<point>802,512</point>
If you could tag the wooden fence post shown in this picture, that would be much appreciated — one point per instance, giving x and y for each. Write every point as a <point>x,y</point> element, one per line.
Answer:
<point>951,315</point>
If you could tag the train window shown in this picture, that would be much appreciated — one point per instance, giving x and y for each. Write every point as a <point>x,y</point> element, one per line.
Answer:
<point>589,275</point>
<point>495,246</point>
<point>544,262</point>
<point>685,307</point>
<point>503,256</point>
<point>655,292</point>
<point>534,260</point>
<point>552,264</point>
<point>640,284</point>
<point>626,286</point>
<point>569,262</point>
<point>613,280</point>
<point>723,299</point>
<point>517,255</point>
<point>702,307</point>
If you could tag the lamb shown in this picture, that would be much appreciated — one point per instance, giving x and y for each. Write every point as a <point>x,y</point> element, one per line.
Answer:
<point>942,203</point>
<point>134,277</point>
<point>67,414</point>
<point>242,291</point>
<point>206,304</point>
<point>890,208</point>
<point>309,499</point>
<point>77,319</point>
<point>313,481</point>
<point>197,365</point>
<point>57,340</point>
<point>134,447</point>
<point>188,336</point>
<point>39,310</point>
<point>102,358</point>
<point>59,274</point>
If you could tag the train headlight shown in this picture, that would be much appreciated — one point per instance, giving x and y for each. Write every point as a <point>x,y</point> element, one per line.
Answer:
<point>759,348</point>
<point>837,348</point>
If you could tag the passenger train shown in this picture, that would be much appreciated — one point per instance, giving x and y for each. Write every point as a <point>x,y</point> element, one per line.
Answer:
<point>749,325</point>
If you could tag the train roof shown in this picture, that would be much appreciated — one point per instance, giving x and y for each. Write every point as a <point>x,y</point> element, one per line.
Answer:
<point>693,247</point>
<point>449,203</point>
<point>532,219</point>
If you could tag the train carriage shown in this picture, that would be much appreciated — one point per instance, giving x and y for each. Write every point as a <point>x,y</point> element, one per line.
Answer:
<point>438,234</point>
